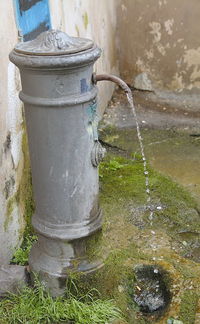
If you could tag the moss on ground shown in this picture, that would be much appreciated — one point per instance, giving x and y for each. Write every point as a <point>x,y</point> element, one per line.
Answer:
<point>125,244</point>
<point>188,307</point>
<point>127,184</point>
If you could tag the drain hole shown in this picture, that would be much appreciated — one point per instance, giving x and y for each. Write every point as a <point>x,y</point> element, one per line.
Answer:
<point>151,292</point>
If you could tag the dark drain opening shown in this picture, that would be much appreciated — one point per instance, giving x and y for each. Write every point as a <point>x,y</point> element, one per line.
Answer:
<point>151,291</point>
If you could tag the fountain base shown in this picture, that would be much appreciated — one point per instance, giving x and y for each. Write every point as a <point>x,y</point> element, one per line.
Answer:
<point>54,261</point>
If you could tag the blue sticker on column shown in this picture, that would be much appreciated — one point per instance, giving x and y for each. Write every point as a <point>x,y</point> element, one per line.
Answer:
<point>84,86</point>
<point>32,17</point>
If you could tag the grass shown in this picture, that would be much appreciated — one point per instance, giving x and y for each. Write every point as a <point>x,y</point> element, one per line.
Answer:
<point>33,306</point>
<point>21,254</point>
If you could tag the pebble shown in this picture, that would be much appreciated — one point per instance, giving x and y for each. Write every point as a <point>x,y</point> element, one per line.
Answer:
<point>173,321</point>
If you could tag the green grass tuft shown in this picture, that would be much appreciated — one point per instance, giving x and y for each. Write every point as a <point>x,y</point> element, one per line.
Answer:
<point>21,254</point>
<point>33,306</point>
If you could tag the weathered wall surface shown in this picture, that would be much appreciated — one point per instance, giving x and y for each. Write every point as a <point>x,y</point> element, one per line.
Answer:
<point>96,20</point>
<point>89,18</point>
<point>160,37</point>
<point>11,132</point>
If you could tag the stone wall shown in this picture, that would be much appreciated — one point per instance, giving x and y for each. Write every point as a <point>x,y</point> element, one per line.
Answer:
<point>11,133</point>
<point>160,37</point>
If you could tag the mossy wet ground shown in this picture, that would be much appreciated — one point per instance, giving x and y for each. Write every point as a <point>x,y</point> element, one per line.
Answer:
<point>174,153</point>
<point>132,238</point>
<point>171,239</point>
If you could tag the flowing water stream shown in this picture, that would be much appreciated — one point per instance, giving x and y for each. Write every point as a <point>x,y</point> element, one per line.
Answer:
<point>128,92</point>
<point>146,173</point>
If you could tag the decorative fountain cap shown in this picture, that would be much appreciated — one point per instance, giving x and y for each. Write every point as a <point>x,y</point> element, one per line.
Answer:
<point>55,49</point>
<point>54,42</point>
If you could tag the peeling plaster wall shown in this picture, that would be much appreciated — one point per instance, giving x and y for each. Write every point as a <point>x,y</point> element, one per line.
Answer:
<point>91,18</point>
<point>160,37</point>
<point>11,159</point>
<point>96,20</point>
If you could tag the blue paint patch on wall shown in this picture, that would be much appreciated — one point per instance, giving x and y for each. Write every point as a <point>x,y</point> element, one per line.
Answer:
<point>32,17</point>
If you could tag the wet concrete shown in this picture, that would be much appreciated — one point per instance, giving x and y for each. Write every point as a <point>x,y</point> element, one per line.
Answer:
<point>171,137</point>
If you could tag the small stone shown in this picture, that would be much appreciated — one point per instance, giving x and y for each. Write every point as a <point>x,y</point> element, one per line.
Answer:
<point>142,82</point>
<point>184,243</point>
<point>173,321</point>
<point>120,288</point>
<point>12,279</point>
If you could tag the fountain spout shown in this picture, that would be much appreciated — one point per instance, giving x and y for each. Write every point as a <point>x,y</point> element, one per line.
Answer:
<point>109,77</point>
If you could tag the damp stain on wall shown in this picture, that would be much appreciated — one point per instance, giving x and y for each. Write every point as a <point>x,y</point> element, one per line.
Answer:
<point>85,20</point>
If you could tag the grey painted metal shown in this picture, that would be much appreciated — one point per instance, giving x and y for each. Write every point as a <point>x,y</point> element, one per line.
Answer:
<point>61,116</point>
<point>54,42</point>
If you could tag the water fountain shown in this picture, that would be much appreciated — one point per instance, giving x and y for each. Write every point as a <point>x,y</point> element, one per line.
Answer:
<point>59,94</point>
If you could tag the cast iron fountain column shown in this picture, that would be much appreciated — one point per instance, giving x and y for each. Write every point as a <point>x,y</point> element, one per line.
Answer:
<point>61,116</point>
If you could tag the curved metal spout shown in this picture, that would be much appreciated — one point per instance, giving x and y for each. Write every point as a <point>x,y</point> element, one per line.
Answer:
<point>112,78</point>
